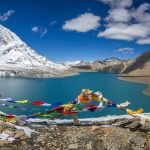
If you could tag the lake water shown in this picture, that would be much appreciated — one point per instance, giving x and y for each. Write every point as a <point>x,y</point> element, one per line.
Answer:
<point>66,89</point>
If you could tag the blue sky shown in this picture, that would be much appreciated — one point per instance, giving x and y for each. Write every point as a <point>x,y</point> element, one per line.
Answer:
<point>65,30</point>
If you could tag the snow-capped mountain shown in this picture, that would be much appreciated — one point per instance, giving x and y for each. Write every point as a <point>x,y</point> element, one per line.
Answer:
<point>72,63</point>
<point>14,51</point>
<point>112,59</point>
<point>18,59</point>
<point>77,63</point>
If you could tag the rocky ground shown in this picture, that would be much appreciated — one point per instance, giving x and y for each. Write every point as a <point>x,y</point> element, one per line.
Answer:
<point>118,134</point>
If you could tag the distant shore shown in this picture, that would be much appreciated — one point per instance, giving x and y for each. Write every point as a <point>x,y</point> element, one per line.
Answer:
<point>138,79</point>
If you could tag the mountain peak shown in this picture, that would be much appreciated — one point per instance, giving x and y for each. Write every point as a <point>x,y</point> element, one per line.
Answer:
<point>7,37</point>
<point>111,59</point>
<point>14,51</point>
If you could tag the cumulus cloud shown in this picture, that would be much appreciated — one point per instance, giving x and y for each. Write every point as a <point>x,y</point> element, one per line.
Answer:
<point>83,23</point>
<point>118,3</point>
<point>40,30</point>
<point>119,11</point>
<point>122,31</point>
<point>118,15</point>
<point>125,50</point>
<point>127,23</point>
<point>141,14</point>
<point>6,15</point>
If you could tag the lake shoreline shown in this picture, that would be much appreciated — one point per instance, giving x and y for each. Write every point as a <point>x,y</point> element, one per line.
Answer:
<point>138,79</point>
<point>69,88</point>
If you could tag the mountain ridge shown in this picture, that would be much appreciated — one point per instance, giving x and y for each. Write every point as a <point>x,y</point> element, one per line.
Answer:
<point>14,50</point>
<point>18,59</point>
<point>140,66</point>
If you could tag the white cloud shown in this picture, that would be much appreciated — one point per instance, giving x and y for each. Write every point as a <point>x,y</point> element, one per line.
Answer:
<point>6,15</point>
<point>144,41</point>
<point>83,23</point>
<point>118,15</point>
<point>127,23</point>
<point>118,3</point>
<point>141,14</point>
<point>43,31</point>
<point>38,29</point>
<point>35,29</point>
<point>125,32</point>
<point>53,22</point>
<point>119,11</point>
<point>125,50</point>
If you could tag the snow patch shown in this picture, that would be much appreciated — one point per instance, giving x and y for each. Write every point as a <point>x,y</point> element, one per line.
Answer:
<point>15,52</point>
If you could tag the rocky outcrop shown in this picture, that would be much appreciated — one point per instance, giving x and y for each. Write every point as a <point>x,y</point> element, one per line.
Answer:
<point>113,134</point>
<point>140,67</point>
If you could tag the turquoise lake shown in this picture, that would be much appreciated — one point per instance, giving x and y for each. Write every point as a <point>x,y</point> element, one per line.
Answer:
<point>66,89</point>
